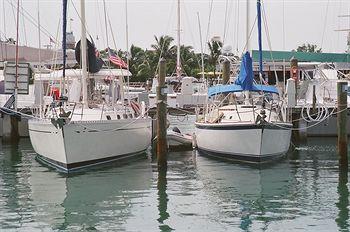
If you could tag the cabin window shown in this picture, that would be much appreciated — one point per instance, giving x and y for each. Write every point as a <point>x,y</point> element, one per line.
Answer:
<point>125,116</point>
<point>230,117</point>
<point>118,116</point>
<point>130,116</point>
<point>108,117</point>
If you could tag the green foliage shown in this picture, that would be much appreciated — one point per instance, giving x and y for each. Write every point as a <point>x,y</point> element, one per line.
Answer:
<point>143,64</point>
<point>309,48</point>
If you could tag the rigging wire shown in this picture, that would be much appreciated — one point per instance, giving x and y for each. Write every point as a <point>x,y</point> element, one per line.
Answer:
<point>269,41</point>
<point>230,7</point>
<point>325,23</point>
<point>4,18</point>
<point>208,26</point>
<point>24,26</point>
<point>237,26</point>
<point>32,20</point>
<point>339,11</point>
<point>225,22</point>
<point>100,21</point>
<point>105,15</point>
<point>250,34</point>
<point>167,30</point>
<point>283,27</point>
<point>77,12</point>
<point>189,25</point>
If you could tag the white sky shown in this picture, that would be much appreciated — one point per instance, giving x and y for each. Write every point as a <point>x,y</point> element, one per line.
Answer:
<point>304,21</point>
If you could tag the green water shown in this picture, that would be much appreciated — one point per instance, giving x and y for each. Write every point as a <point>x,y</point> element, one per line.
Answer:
<point>303,192</point>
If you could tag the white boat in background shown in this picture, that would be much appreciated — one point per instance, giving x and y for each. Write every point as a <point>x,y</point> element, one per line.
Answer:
<point>186,92</point>
<point>182,91</point>
<point>319,86</point>
<point>71,133</point>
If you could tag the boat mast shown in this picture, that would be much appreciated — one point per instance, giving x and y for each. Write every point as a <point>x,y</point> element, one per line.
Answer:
<point>247,25</point>
<point>127,48</point>
<point>178,61</point>
<point>83,53</point>
<point>64,45</point>
<point>39,56</point>
<point>16,77</point>
<point>200,36</point>
<point>260,39</point>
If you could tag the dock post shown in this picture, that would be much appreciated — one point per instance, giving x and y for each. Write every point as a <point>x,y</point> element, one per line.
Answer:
<point>154,135</point>
<point>225,72</point>
<point>314,99</point>
<point>342,87</point>
<point>294,74</point>
<point>10,129</point>
<point>161,117</point>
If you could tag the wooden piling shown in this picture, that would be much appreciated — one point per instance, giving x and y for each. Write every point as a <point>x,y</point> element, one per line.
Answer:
<point>161,117</point>
<point>314,99</point>
<point>225,72</point>
<point>342,87</point>
<point>10,129</point>
<point>294,74</point>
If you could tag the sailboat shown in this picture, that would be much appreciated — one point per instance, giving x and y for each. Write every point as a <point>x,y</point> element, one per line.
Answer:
<point>243,121</point>
<point>182,91</point>
<point>73,134</point>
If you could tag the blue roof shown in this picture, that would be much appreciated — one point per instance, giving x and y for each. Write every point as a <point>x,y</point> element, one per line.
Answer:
<point>218,89</point>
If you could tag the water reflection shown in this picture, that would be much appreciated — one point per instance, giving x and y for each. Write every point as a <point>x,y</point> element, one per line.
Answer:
<point>343,200</point>
<point>162,200</point>
<point>93,200</point>
<point>13,186</point>
<point>306,191</point>
<point>249,196</point>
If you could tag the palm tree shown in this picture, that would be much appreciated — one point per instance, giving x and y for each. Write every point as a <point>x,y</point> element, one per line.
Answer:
<point>136,58</point>
<point>215,52</point>
<point>189,59</point>
<point>163,46</point>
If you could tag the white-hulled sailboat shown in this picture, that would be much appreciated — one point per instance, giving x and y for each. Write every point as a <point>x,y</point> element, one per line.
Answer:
<point>74,135</point>
<point>245,121</point>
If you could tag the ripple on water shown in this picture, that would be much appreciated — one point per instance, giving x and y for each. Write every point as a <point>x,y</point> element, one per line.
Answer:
<point>302,192</point>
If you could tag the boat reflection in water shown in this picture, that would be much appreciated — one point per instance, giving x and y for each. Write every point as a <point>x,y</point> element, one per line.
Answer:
<point>101,199</point>
<point>248,196</point>
<point>305,191</point>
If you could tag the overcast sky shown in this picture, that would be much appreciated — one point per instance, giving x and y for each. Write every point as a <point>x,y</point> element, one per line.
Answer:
<point>313,21</point>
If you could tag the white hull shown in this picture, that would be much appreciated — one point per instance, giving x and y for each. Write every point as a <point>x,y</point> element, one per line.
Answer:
<point>177,139</point>
<point>80,144</point>
<point>248,142</point>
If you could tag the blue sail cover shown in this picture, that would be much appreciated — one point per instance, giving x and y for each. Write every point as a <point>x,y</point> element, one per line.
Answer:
<point>244,81</point>
<point>245,78</point>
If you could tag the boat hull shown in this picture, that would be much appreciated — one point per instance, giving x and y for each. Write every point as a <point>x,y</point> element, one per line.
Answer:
<point>81,144</point>
<point>245,142</point>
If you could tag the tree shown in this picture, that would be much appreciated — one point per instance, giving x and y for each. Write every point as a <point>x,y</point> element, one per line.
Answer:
<point>136,58</point>
<point>163,46</point>
<point>215,52</point>
<point>189,60</point>
<point>309,48</point>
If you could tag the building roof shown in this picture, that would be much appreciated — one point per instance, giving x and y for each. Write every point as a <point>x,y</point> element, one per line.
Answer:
<point>302,56</point>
